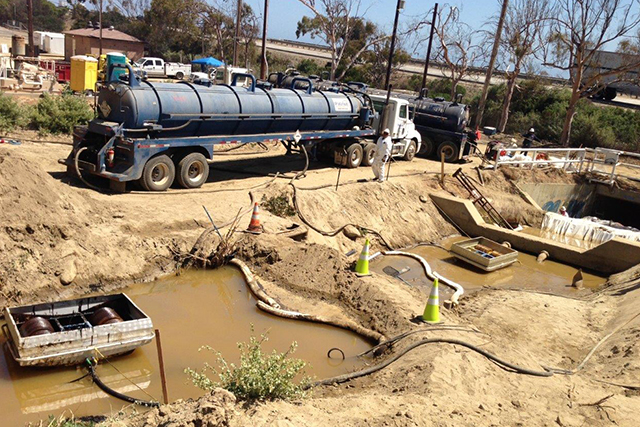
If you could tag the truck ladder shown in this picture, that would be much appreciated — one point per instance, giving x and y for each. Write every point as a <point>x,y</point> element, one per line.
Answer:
<point>479,200</point>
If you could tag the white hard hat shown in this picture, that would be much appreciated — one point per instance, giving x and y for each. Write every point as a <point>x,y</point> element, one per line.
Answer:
<point>386,131</point>
<point>532,130</point>
<point>562,209</point>
<point>513,140</point>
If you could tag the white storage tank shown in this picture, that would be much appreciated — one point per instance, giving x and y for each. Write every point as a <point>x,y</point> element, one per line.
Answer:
<point>54,43</point>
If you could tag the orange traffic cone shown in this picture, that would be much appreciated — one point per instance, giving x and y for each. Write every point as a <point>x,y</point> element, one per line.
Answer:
<point>254,225</point>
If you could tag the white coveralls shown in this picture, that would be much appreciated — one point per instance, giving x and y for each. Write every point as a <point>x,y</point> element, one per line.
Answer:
<point>383,154</point>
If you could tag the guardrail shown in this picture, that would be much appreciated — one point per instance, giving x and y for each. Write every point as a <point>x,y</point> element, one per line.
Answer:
<point>602,161</point>
<point>542,157</point>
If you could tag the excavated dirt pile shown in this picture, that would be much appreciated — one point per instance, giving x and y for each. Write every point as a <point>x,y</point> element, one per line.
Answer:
<point>53,235</point>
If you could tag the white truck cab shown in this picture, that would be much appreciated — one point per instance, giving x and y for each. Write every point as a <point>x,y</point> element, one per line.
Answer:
<point>396,116</point>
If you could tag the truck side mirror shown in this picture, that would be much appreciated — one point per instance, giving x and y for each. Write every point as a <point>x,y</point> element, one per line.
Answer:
<point>424,92</point>
<point>458,98</point>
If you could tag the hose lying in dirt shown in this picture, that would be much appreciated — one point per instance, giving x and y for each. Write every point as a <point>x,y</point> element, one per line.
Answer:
<point>384,346</point>
<point>332,233</point>
<point>349,325</point>
<point>459,290</point>
<point>268,304</point>
<point>112,392</point>
<point>176,192</point>
<point>361,181</point>
<point>502,363</point>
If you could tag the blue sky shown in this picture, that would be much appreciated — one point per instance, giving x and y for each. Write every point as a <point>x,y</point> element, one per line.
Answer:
<point>284,14</point>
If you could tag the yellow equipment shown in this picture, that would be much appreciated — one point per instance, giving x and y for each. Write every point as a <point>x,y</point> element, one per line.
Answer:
<point>84,73</point>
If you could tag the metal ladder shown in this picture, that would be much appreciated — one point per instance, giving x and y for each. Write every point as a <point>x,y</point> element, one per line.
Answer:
<point>481,201</point>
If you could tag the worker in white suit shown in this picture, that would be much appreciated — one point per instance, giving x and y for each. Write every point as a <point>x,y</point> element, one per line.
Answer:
<point>383,155</point>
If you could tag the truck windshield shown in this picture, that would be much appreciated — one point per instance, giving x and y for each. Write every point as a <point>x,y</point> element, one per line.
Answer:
<point>378,106</point>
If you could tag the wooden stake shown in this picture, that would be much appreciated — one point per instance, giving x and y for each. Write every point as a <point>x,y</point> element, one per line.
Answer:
<point>442,168</point>
<point>338,181</point>
<point>163,379</point>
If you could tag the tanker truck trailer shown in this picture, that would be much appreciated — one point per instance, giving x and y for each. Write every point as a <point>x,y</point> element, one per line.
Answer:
<point>442,127</point>
<point>155,133</point>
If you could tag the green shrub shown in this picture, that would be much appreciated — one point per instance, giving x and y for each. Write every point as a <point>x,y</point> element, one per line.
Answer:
<point>12,115</point>
<point>60,114</point>
<point>258,376</point>
<point>278,205</point>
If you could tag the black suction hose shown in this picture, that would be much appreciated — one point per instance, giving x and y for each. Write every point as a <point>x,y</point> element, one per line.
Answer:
<point>102,386</point>
<point>502,363</point>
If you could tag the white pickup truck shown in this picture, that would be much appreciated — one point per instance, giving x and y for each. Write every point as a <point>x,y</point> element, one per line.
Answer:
<point>223,75</point>
<point>156,67</point>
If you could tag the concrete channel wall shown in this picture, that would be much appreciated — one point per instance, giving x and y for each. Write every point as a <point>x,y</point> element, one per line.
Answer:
<point>577,198</point>
<point>613,256</point>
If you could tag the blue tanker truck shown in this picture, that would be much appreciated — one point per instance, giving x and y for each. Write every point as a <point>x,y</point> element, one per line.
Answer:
<point>158,133</point>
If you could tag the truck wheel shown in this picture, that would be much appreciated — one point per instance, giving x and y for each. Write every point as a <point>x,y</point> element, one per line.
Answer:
<point>193,171</point>
<point>369,154</point>
<point>427,148</point>
<point>354,155</point>
<point>411,151</point>
<point>179,75</point>
<point>158,174</point>
<point>450,150</point>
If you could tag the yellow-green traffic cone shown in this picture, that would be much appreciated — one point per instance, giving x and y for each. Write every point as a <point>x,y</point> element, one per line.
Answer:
<point>362,266</point>
<point>432,309</point>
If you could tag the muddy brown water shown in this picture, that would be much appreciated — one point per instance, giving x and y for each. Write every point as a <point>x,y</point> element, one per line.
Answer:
<point>526,273</point>
<point>198,308</point>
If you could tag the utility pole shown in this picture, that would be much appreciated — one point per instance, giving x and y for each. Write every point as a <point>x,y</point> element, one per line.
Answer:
<point>399,7</point>
<point>32,48</point>
<point>100,24</point>
<point>494,54</point>
<point>263,62</point>
<point>426,61</point>
<point>237,37</point>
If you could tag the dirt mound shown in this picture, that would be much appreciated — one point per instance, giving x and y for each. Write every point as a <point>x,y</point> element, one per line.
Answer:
<point>53,235</point>
<point>216,409</point>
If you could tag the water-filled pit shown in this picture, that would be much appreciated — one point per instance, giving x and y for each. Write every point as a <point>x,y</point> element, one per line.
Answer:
<point>197,308</point>
<point>526,273</point>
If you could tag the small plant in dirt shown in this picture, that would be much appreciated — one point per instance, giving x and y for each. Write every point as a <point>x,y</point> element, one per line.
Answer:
<point>278,205</point>
<point>12,115</point>
<point>259,375</point>
<point>60,114</point>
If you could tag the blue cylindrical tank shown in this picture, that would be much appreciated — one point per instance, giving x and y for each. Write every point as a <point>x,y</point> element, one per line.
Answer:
<point>226,110</point>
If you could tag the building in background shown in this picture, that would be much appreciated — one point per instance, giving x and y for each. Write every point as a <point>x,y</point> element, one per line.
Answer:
<point>86,41</point>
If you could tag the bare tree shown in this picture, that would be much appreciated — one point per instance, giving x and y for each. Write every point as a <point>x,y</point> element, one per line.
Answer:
<point>457,45</point>
<point>521,40</point>
<point>335,22</point>
<point>129,8</point>
<point>579,30</point>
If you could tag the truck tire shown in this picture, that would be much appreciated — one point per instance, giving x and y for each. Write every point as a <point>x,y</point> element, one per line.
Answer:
<point>369,154</point>
<point>193,171</point>
<point>179,75</point>
<point>450,150</point>
<point>427,148</point>
<point>411,151</point>
<point>609,93</point>
<point>158,174</point>
<point>354,155</point>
